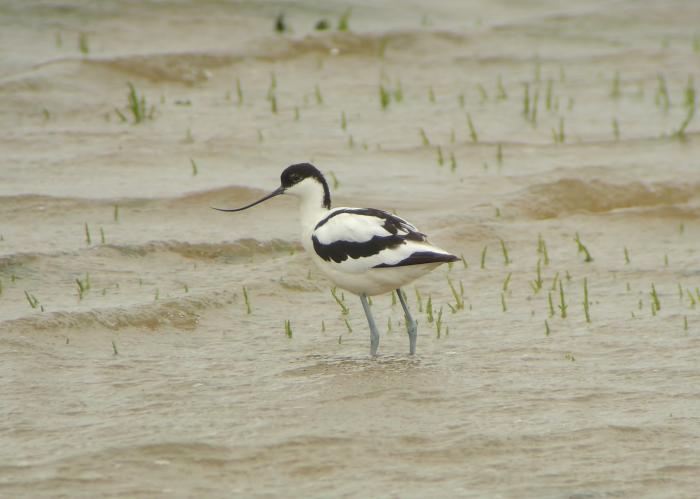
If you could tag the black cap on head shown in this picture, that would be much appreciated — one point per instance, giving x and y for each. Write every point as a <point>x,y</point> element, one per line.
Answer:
<point>294,174</point>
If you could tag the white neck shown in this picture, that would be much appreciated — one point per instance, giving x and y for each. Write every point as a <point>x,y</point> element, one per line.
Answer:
<point>310,194</point>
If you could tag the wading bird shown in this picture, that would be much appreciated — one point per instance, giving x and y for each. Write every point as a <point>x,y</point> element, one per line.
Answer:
<point>362,250</point>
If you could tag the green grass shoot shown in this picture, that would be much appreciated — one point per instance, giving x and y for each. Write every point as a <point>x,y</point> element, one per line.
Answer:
<point>318,94</point>
<point>547,331</point>
<point>424,138</point>
<point>83,44</point>
<point>288,328</point>
<point>398,92</point>
<point>582,249</point>
<point>548,95</point>
<point>344,20</point>
<point>458,296</point>
<point>280,24</point>
<point>656,304</point>
<point>246,298</point>
<point>499,154</point>
<point>504,250</point>
<point>347,325</point>
<point>116,213</point>
<point>103,240</point>
<point>537,283</point>
<point>384,97</point>
<point>343,121</point>
<point>542,249</point>
<point>504,307</point>
<point>440,157</point>
<point>506,282</point>
<point>526,101</point>
<point>616,129</point>
<point>662,99</point>
<point>429,309</point>
<point>562,302</point>
<point>419,299</point>
<point>483,257</point>
<point>438,323</point>
<point>195,170</point>
<point>239,91</point>
<point>464,261</point>
<point>680,133</point>
<point>627,256</point>
<point>33,302</point>
<point>472,130</point>
<point>559,135</point>
<point>550,302</point>
<point>343,308</point>
<point>114,348</point>
<point>88,239</point>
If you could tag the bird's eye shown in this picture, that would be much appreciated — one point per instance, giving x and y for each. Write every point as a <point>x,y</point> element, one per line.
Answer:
<point>295,177</point>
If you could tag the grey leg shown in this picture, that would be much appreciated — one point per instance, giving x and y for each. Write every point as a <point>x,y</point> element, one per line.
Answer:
<point>374,334</point>
<point>411,325</point>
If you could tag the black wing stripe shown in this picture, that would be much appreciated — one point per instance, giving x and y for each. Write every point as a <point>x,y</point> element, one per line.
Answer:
<point>420,257</point>
<point>392,224</point>
<point>339,251</point>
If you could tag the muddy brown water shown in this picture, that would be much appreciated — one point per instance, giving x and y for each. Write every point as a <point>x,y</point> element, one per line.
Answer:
<point>156,382</point>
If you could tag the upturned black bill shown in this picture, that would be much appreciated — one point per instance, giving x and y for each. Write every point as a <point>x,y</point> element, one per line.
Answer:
<point>276,192</point>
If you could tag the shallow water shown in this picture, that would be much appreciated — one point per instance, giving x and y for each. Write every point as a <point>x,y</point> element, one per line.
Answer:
<point>157,382</point>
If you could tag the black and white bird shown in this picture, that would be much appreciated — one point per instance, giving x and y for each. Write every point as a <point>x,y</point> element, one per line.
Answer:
<point>362,250</point>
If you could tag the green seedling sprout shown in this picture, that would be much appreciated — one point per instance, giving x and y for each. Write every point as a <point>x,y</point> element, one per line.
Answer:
<point>685,323</point>
<point>656,304</point>
<point>319,96</point>
<point>506,259</point>
<point>680,133</point>
<point>83,44</point>
<point>472,130</point>
<point>537,283</point>
<point>246,299</point>
<point>440,158</point>
<point>548,95</point>
<point>343,21</point>
<point>116,213</point>
<point>288,328</point>
<point>424,138</point>
<point>483,257</point>
<point>464,261</point>
<point>114,348</point>
<point>459,297</point>
<point>438,323</point>
<point>526,101</point>
<point>103,240</point>
<point>582,249</point>
<point>542,249</point>
<point>503,302</point>
<point>195,170</point>
<point>429,308</point>
<point>562,303</point>
<point>384,97</point>
<point>546,328</point>
<point>343,308</point>
<point>419,299</point>
<point>347,325</point>
<point>550,303</point>
<point>239,91</point>
<point>627,256</point>
<point>343,121</point>
<point>323,326</point>
<point>33,302</point>
<point>88,239</point>
<point>280,24</point>
<point>506,282</point>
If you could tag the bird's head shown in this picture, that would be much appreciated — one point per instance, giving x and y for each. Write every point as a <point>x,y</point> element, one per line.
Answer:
<point>302,180</point>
